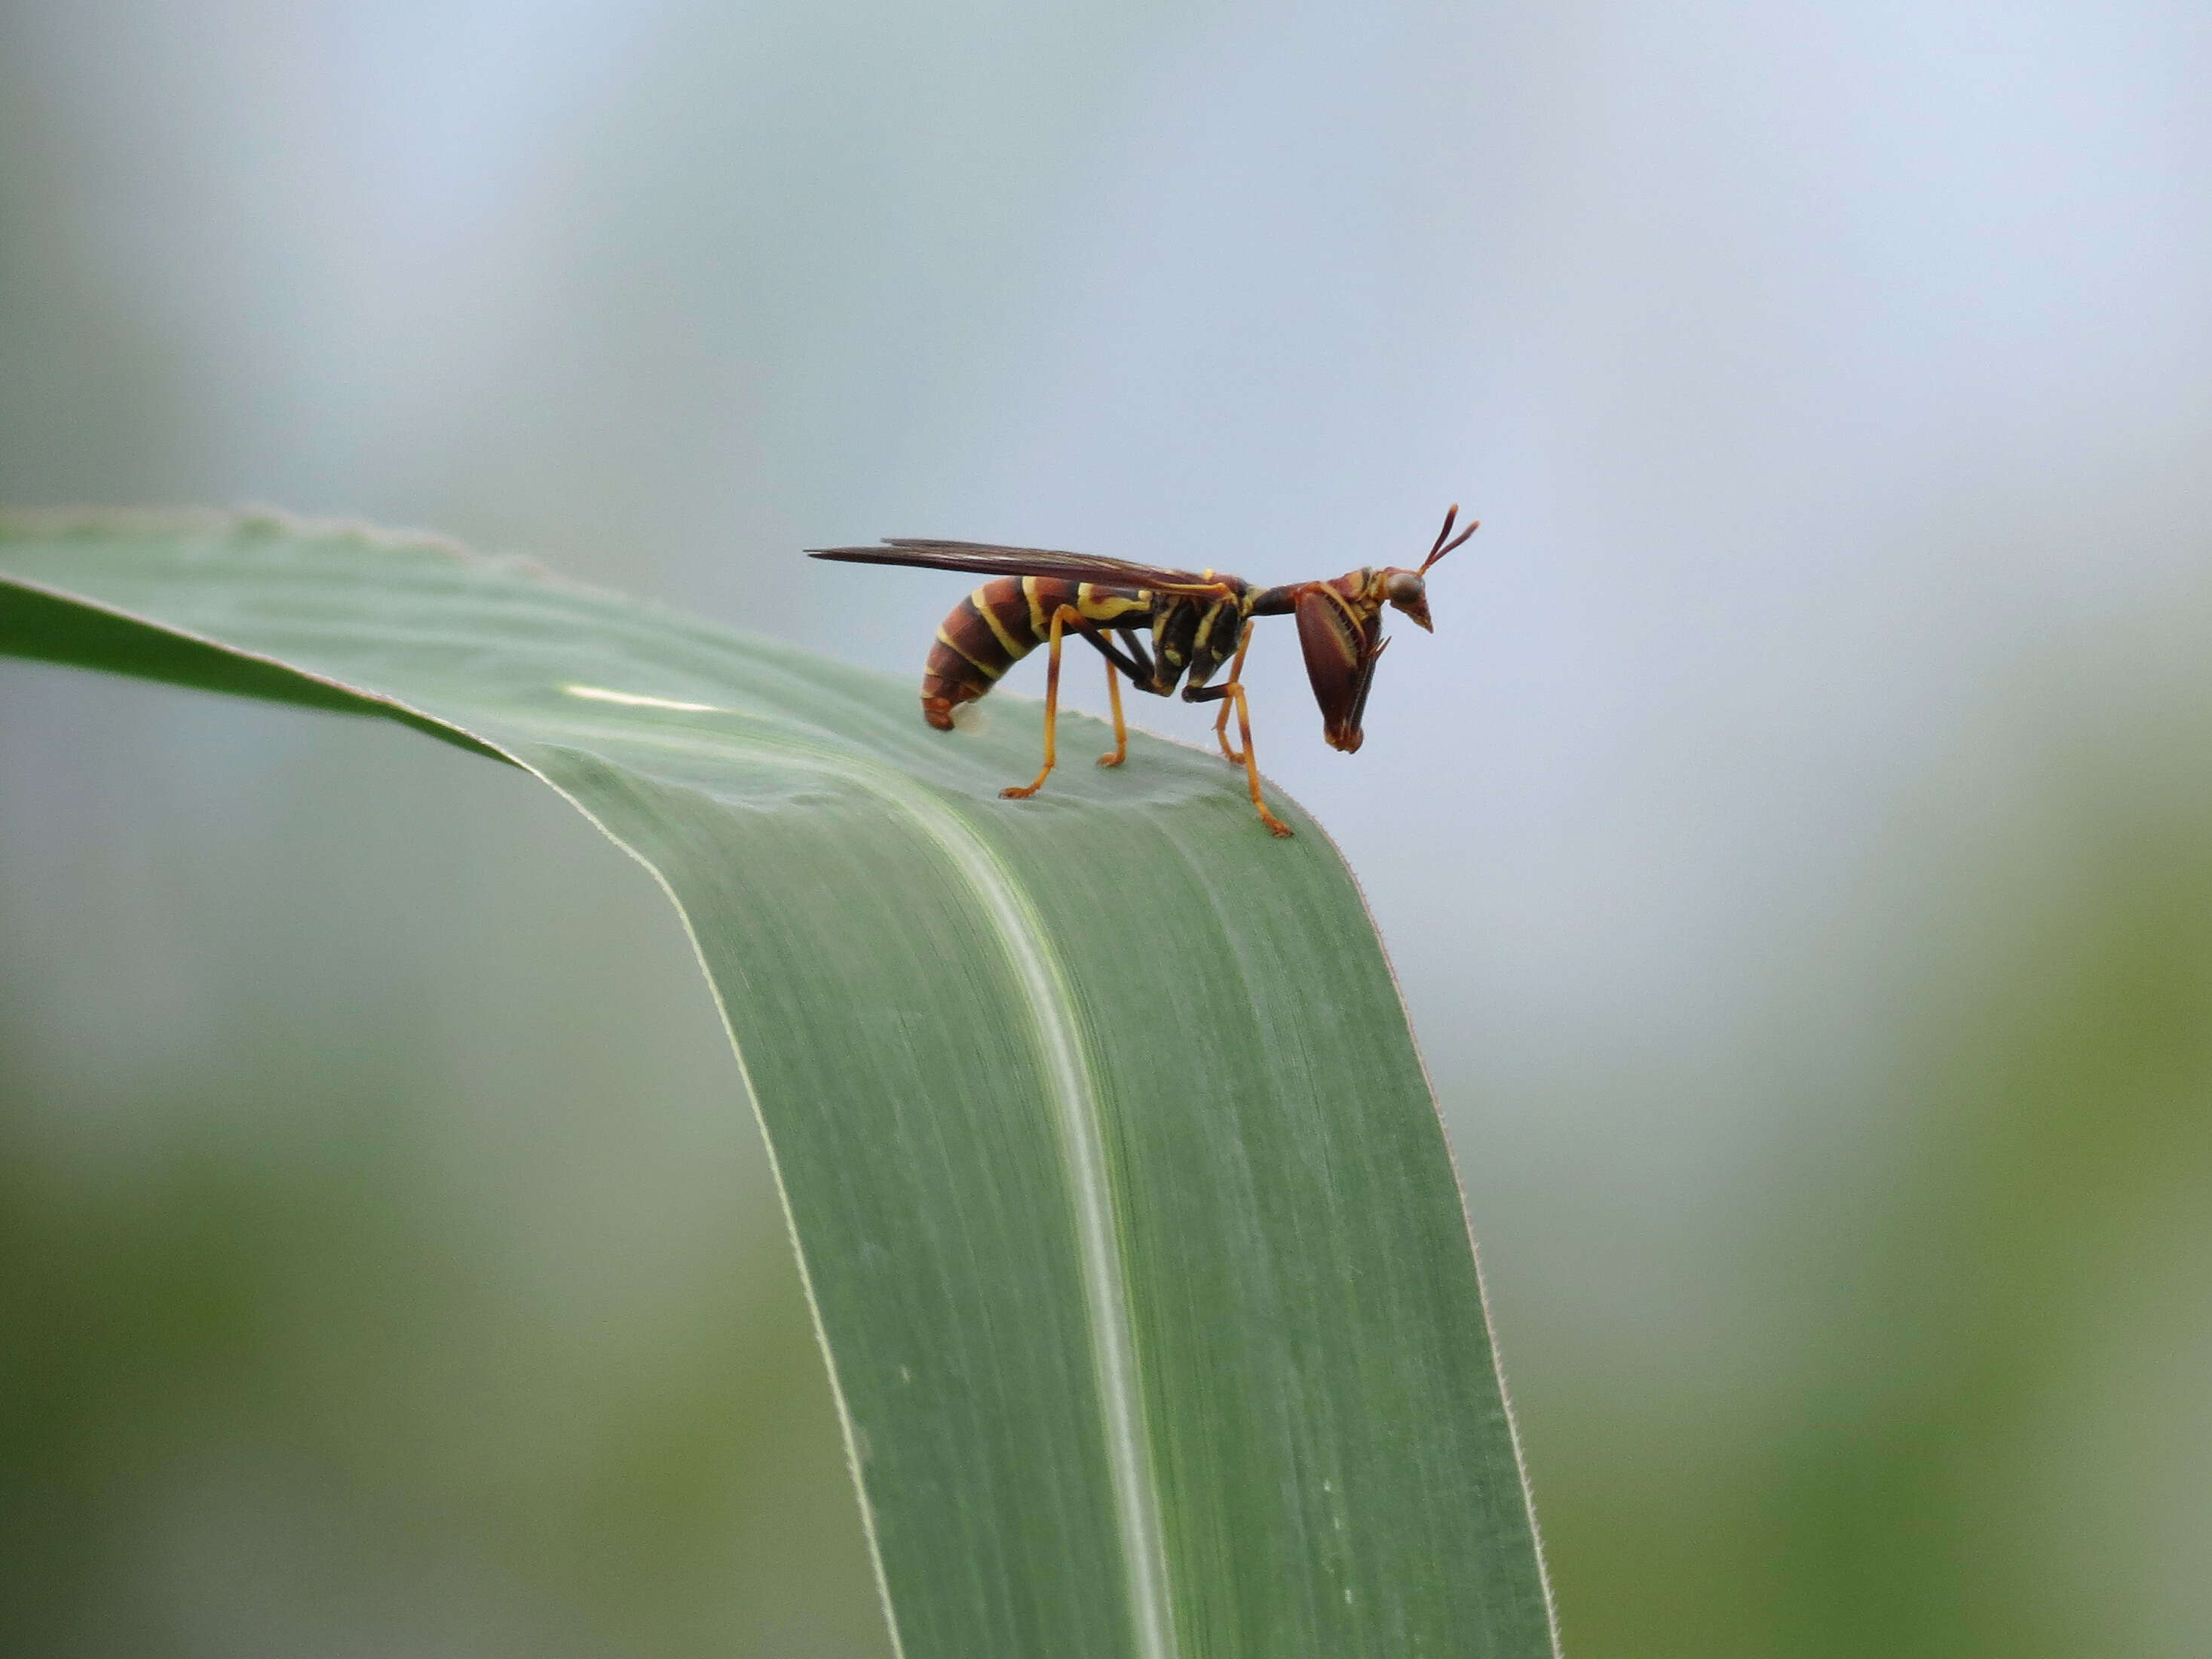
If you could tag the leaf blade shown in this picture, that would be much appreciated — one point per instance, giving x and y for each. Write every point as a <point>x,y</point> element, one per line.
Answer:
<point>1129,1224</point>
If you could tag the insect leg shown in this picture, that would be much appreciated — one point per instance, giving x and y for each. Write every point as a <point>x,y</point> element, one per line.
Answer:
<point>1231,693</point>
<point>1121,730</point>
<point>1129,657</point>
<point>1251,766</point>
<point>1145,674</point>
<point>1016,792</point>
<point>1235,677</point>
<point>1226,695</point>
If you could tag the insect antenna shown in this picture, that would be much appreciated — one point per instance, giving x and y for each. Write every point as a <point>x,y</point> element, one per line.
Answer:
<point>1443,547</point>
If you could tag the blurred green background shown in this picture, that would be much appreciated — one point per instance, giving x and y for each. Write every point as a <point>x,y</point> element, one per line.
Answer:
<point>1795,844</point>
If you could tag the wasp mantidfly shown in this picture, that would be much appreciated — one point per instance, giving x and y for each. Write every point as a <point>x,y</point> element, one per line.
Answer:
<point>1198,620</point>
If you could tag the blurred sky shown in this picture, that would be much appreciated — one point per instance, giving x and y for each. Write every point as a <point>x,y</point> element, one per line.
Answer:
<point>1834,386</point>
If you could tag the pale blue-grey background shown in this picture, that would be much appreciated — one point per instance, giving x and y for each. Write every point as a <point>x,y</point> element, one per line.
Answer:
<point>1796,842</point>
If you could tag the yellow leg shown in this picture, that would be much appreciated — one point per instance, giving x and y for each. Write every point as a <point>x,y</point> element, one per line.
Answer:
<point>1121,730</point>
<point>1251,766</point>
<point>1235,677</point>
<point>1018,792</point>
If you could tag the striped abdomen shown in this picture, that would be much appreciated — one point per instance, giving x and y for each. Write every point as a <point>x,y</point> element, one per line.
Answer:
<point>1001,622</point>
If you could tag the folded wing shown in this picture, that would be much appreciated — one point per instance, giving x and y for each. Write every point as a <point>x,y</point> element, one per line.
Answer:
<point>991,560</point>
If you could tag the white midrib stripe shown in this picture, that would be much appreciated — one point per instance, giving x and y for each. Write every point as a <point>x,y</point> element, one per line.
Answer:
<point>1083,1153</point>
<point>1083,1147</point>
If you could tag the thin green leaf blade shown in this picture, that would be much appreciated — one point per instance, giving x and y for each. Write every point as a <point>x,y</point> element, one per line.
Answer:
<point>1121,1198</point>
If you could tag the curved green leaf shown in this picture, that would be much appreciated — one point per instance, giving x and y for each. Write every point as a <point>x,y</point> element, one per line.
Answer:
<point>1129,1224</point>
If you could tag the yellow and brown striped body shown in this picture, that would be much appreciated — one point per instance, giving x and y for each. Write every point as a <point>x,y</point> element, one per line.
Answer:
<point>1001,622</point>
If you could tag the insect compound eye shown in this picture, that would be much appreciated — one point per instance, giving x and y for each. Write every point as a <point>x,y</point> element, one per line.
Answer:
<point>1404,588</point>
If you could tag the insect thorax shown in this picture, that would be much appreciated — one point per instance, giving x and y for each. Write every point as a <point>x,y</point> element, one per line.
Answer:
<point>1194,633</point>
